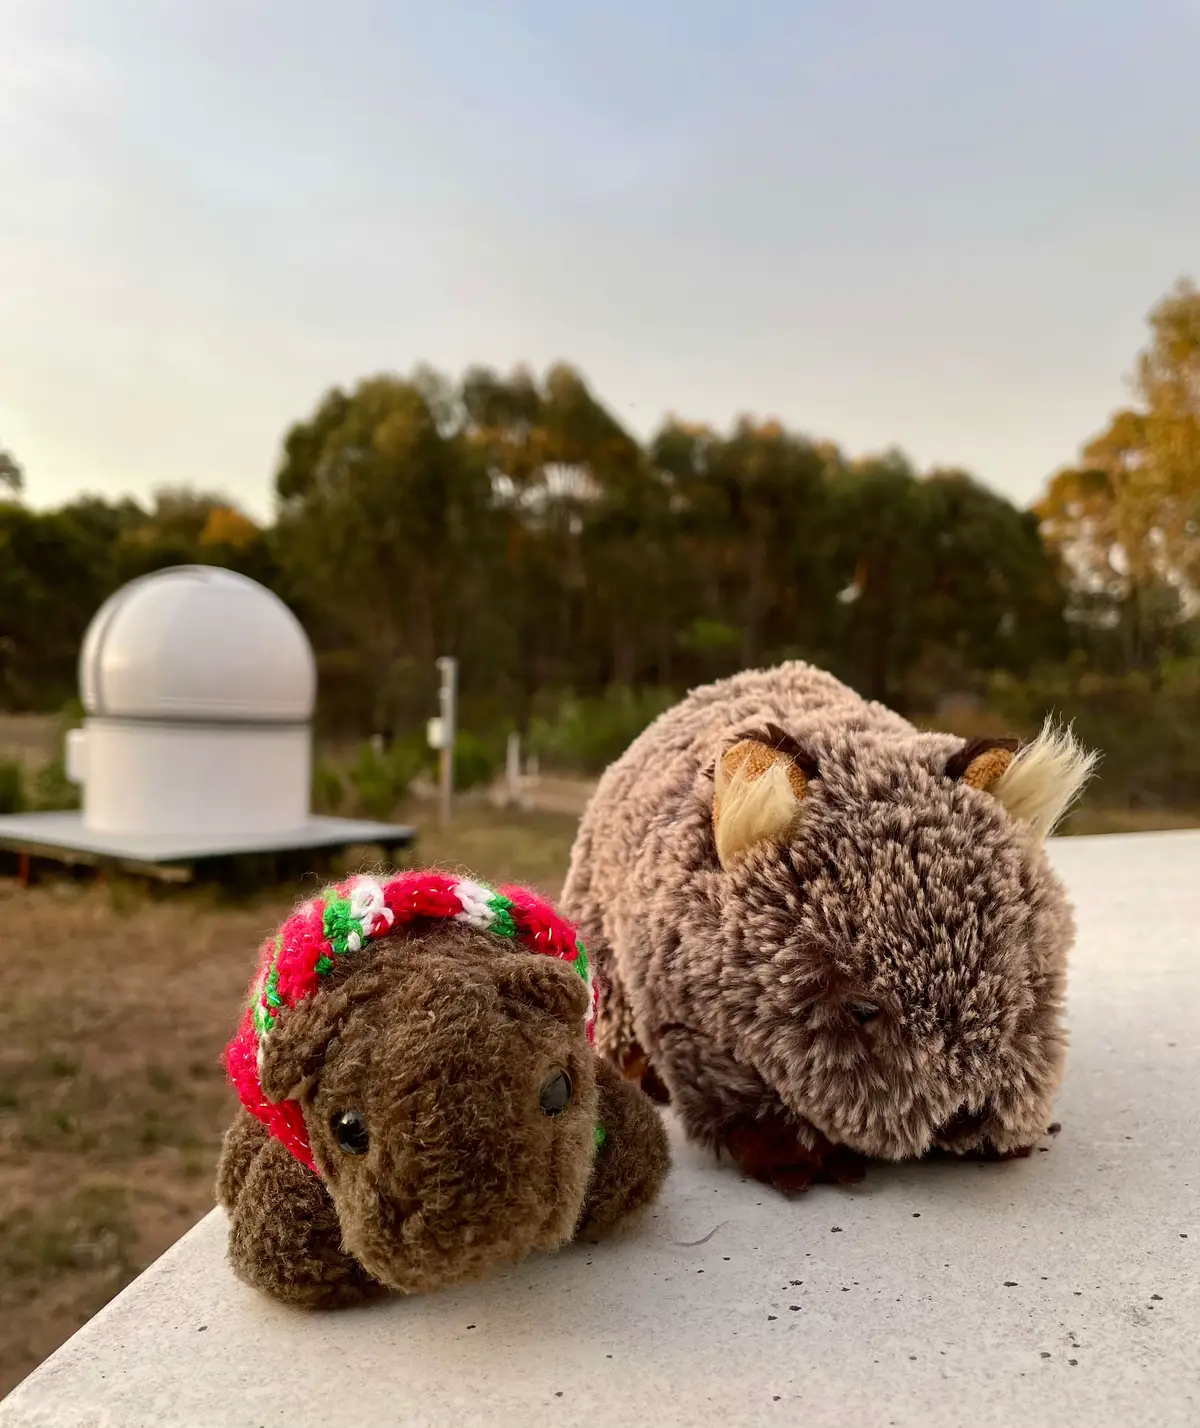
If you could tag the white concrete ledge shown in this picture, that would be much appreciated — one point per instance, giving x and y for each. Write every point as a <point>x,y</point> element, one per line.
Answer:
<point>1062,1290</point>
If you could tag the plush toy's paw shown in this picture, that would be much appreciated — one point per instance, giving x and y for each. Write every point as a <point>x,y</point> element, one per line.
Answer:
<point>636,1066</point>
<point>285,1239</point>
<point>239,1149</point>
<point>773,1151</point>
<point>1020,1152</point>
<point>980,1154</point>
<point>632,1159</point>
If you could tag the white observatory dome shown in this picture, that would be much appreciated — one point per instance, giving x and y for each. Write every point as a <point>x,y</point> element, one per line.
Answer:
<point>197,642</point>
<point>199,686</point>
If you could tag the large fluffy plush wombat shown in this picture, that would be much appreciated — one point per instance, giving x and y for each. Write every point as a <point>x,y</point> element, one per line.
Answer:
<point>828,936</point>
<point>420,1098</point>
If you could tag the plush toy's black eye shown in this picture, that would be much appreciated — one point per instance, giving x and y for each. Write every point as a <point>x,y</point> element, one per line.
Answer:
<point>556,1094</point>
<point>863,1012</point>
<point>350,1131</point>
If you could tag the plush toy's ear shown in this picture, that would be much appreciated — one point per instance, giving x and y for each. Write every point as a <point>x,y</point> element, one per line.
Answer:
<point>1036,782</point>
<point>297,1045</point>
<point>543,982</point>
<point>759,784</point>
<point>295,1048</point>
<point>981,762</point>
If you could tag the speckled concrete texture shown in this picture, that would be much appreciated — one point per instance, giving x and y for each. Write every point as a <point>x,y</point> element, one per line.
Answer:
<point>1062,1290</point>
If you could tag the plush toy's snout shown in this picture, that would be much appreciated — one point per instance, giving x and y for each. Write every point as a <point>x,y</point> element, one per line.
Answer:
<point>455,1120</point>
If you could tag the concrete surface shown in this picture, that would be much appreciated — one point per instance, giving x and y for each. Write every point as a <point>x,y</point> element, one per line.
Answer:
<point>1062,1290</point>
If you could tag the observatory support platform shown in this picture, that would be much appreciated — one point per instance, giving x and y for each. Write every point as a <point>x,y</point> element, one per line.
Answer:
<point>176,857</point>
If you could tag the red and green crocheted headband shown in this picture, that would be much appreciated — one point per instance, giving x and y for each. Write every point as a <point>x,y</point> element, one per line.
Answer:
<point>322,933</point>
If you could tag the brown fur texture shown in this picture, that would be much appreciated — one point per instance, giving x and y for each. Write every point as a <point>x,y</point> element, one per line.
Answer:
<point>884,979</point>
<point>442,1041</point>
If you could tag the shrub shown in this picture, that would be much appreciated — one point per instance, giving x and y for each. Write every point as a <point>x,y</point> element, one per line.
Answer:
<point>52,789</point>
<point>476,761</point>
<point>586,735</point>
<point>1147,729</point>
<point>12,786</point>
<point>381,780</point>
<point>328,790</point>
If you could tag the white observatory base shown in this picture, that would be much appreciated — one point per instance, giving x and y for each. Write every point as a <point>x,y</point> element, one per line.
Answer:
<point>173,777</point>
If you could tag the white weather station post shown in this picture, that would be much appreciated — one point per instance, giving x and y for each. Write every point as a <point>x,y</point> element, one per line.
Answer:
<point>441,733</point>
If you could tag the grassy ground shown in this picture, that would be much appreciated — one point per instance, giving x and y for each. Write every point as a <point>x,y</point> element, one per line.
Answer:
<point>115,1004</point>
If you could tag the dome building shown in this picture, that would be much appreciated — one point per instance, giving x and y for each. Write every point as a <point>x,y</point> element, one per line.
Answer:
<point>198,687</point>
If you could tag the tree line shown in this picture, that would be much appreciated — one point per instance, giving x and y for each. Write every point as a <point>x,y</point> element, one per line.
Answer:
<point>511,520</point>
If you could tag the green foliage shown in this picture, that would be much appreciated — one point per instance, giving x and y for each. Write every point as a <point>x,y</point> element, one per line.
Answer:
<point>511,520</point>
<point>57,567</point>
<point>1147,727</point>
<point>708,637</point>
<point>328,790</point>
<point>587,734</point>
<point>748,516</point>
<point>52,790</point>
<point>11,475</point>
<point>381,780</point>
<point>1126,520</point>
<point>386,535</point>
<point>942,578</point>
<point>476,761</point>
<point>12,786</point>
<point>375,785</point>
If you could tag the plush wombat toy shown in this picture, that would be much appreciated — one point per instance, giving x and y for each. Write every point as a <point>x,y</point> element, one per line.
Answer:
<point>827,935</point>
<point>421,1100</point>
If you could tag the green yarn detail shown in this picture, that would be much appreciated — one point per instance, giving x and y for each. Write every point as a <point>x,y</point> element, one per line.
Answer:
<point>323,966</point>
<point>263,1015</point>
<point>338,924</point>
<point>600,1136</point>
<point>503,924</point>
<point>581,959</point>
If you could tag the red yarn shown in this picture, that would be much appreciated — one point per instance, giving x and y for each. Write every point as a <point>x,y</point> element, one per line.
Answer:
<point>539,924</point>
<point>303,934</point>
<point>413,895</point>
<point>283,1119</point>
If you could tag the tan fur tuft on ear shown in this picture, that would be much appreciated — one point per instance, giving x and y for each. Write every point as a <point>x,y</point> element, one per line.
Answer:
<point>757,793</point>
<point>983,770</point>
<point>1045,778</point>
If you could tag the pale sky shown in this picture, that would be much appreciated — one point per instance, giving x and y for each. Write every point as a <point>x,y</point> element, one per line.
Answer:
<point>938,225</point>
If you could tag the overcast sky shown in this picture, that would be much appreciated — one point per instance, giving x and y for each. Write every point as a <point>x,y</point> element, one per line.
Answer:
<point>938,225</point>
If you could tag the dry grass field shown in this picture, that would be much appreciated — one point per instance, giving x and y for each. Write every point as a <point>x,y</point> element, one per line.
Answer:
<point>115,1003</point>
<point>31,739</point>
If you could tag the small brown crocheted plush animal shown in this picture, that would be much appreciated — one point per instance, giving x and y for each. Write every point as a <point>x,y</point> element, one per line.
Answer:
<point>420,1098</point>
<point>829,936</point>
